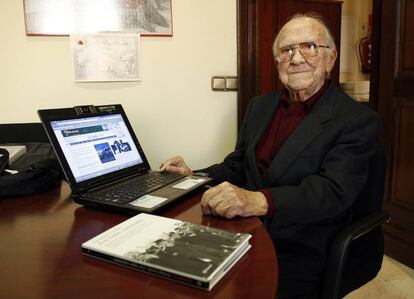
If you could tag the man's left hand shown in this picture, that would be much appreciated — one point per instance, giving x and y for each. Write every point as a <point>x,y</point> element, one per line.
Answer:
<point>228,200</point>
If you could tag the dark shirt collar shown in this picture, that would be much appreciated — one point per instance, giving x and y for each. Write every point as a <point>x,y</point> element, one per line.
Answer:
<point>285,100</point>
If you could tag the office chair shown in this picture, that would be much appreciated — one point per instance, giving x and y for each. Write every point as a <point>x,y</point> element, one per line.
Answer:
<point>22,133</point>
<point>356,252</point>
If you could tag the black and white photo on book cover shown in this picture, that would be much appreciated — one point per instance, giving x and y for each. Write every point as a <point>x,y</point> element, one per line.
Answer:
<point>189,248</point>
<point>171,245</point>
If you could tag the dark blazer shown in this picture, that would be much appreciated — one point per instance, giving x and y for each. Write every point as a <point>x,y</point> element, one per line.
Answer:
<point>314,178</point>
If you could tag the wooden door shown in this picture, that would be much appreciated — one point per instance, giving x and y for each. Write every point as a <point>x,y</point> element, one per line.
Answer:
<point>396,106</point>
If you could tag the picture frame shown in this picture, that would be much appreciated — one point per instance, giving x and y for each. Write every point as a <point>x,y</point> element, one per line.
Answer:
<point>105,57</point>
<point>63,17</point>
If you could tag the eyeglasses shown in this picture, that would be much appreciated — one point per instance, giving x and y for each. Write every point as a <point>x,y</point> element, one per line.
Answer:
<point>307,49</point>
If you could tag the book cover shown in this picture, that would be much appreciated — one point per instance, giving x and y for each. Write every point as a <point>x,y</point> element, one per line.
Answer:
<point>15,152</point>
<point>192,254</point>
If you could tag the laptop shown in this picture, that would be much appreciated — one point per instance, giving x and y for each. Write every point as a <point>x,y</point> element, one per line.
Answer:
<point>105,164</point>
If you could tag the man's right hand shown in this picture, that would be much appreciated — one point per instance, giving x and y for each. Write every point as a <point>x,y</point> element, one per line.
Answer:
<point>176,164</point>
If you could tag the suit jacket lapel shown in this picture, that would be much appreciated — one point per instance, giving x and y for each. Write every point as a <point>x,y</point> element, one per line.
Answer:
<point>260,125</point>
<point>309,128</point>
<point>266,115</point>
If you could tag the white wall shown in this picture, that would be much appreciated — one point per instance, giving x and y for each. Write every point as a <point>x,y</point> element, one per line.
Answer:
<point>172,109</point>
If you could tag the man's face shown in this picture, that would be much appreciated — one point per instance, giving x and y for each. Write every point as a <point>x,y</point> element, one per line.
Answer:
<point>300,73</point>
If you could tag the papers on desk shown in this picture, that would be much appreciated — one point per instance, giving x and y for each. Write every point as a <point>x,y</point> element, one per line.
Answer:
<point>187,253</point>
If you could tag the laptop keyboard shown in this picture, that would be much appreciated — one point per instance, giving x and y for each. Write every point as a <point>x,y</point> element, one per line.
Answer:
<point>135,187</point>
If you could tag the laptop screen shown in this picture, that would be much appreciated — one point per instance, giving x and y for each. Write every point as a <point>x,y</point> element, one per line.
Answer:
<point>96,145</point>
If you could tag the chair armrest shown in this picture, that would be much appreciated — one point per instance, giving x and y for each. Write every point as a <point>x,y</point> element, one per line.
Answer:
<point>340,247</point>
<point>362,226</point>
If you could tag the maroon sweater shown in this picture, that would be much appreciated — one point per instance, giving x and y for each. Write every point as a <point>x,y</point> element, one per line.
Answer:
<point>286,118</point>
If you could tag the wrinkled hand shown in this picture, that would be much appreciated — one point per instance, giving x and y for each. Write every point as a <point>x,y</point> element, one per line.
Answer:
<point>176,164</point>
<point>228,200</point>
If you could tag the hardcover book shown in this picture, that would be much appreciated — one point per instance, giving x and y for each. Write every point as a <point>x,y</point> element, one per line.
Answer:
<point>187,253</point>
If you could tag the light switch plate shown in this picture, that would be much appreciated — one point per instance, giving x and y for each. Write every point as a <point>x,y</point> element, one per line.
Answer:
<point>218,83</point>
<point>231,83</point>
<point>224,83</point>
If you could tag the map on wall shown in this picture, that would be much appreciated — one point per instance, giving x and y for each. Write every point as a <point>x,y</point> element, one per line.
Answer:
<point>105,57</point>
<point>63,17</point>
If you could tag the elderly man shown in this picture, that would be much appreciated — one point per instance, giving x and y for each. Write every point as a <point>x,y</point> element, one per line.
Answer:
<point>301,157</point>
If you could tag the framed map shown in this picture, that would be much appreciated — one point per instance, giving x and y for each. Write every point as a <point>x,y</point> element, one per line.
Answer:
<point>105,57</point>
<point>63,17</point>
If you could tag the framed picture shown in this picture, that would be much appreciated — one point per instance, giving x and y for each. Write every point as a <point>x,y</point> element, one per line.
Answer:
<point>105,57</point>
<point>63,17</point>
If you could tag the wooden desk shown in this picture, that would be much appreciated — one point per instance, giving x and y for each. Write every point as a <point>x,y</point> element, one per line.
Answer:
<point>40,254</point>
